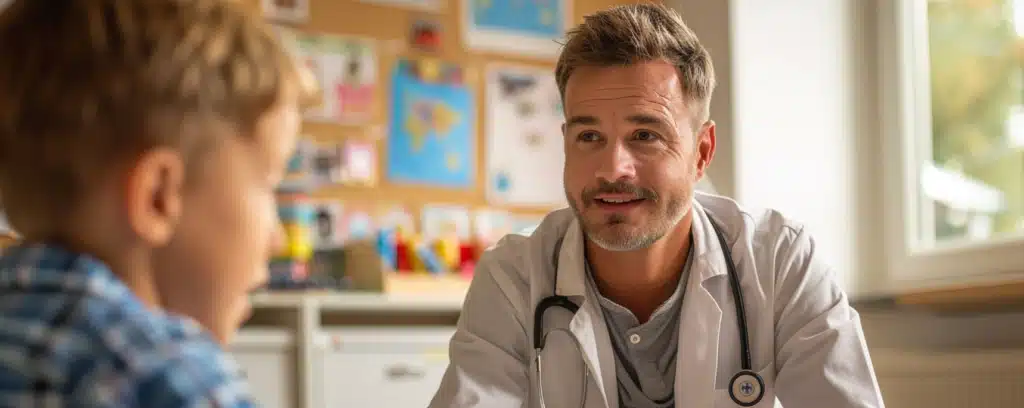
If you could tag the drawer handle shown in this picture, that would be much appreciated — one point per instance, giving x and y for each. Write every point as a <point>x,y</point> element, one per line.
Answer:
<point>402,372</point>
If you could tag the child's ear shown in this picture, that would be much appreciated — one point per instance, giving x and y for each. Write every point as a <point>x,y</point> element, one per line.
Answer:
<point>154,195</point>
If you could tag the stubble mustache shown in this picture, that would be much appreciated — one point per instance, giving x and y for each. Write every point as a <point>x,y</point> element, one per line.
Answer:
<point>618,187</point>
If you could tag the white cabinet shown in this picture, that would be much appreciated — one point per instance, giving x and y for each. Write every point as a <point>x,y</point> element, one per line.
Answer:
<point>268,359</point>
<point>382,367</point>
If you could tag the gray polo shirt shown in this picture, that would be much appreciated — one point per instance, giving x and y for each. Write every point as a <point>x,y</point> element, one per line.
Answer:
<point>645,362</point>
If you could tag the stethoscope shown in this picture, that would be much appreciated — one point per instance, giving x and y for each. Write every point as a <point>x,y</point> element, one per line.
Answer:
<point>746,388</point>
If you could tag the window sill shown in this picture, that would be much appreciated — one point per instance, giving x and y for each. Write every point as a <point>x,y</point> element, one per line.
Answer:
<point>967,298</point>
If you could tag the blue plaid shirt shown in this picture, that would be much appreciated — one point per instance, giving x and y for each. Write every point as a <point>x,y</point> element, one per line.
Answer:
<point>73,335</point>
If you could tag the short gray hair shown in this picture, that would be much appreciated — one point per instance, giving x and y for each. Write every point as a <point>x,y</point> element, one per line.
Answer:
<point>635,33</point>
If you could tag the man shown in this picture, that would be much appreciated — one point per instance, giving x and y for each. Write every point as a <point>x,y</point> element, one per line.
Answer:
<point>649,263</point>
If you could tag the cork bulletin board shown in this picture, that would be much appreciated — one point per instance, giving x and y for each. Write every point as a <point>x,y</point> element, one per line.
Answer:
<point>388,26</point>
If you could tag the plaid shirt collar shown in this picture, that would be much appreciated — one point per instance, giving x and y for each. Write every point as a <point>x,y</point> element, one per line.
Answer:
<point>46,267</point>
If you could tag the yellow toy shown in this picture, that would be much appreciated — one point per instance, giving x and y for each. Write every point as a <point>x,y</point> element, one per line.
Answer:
<point>447,247</point>
<point>298,245</point>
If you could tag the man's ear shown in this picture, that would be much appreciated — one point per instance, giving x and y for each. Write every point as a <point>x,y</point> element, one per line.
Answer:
<point>706,142</point>
<point>154,195</point>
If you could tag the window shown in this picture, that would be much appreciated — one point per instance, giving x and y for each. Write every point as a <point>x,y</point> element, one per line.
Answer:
<point>953,90</point>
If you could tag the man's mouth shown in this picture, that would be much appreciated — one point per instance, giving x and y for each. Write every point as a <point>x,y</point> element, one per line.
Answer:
<point>617,201</point>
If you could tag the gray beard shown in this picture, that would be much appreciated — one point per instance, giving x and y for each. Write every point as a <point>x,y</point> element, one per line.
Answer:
<point>623,242</point>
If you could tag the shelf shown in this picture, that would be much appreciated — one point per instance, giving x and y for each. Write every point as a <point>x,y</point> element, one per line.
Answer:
<point>383,302</point>
<point>359,302</point>
<point>975,298</point>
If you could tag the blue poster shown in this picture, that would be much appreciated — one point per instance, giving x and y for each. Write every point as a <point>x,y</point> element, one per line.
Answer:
<point>534,18</point>
<point>530,27</point>
<point>431,130</point>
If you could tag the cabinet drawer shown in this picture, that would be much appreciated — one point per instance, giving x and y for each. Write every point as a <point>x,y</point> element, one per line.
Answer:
<point>382,367</point>
<point>268,359</point>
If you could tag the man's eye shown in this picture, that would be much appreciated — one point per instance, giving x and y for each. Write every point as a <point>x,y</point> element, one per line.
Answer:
<point>644,135</point>
<point>588,137</point>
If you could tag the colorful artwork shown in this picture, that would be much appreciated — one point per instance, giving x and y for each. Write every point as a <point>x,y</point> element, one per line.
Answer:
<point>359,163</point>
<point>524,143</point>
<point>432,126</point>
<point>446,221</point>
<point>346,70</point>
<point>532,27</point>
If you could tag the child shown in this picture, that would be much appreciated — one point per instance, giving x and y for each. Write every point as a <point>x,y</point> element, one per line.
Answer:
<point>140,145</point>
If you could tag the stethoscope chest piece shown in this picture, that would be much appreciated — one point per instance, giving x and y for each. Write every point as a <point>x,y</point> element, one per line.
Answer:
<point>746,388</point>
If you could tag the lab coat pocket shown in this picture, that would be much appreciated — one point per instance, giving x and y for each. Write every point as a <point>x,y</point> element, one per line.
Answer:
<point>767,374</point>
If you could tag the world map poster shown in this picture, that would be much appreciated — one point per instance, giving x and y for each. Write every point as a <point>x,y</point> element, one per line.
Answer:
<point>431,129</point>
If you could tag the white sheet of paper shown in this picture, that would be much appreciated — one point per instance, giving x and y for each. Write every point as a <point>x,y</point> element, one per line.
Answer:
<point>524,156</point>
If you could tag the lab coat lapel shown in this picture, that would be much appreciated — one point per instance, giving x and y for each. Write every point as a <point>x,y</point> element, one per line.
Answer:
<point>589,328</point>
<point>588,324</point>
<point>700,320</point>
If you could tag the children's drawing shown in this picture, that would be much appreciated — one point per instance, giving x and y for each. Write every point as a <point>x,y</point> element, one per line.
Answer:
<point>446,221</point>
<point>346,70</point>
<point>432,125</point>
<point>287,11</point>
<point>533,28</point>
<point>359,163</point>
<point>524,143</point>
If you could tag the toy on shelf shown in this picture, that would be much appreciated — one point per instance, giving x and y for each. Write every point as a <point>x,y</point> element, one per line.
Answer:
<point>296,212</point>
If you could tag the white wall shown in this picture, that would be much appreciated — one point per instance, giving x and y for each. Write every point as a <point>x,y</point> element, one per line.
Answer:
<point>794,110</point>
<point>791,73</point>
<point>706,19</point>
<point>801,83</point>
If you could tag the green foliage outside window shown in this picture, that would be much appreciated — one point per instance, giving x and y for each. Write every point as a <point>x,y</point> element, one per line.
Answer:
<point>977,78</point>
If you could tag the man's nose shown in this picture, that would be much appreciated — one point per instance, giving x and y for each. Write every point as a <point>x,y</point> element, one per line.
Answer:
<point>617,163</point>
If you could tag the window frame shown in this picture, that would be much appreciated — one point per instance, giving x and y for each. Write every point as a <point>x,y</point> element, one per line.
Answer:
<point>904,109</point>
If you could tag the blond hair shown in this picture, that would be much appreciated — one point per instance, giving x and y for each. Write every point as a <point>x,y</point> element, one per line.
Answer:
<point>87,84</point>
<point>636,33</point>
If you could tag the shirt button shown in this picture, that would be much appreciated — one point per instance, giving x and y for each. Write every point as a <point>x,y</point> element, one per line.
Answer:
<point>634,338</point>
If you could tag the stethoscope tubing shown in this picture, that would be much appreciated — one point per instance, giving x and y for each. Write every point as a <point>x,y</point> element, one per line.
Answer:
<point>746,374</point>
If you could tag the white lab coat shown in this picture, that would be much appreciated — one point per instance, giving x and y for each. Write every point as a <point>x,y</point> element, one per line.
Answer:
<point>806,341</point>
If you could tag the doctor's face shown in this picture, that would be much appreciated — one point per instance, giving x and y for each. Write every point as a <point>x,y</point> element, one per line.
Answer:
<point>633,152</point>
